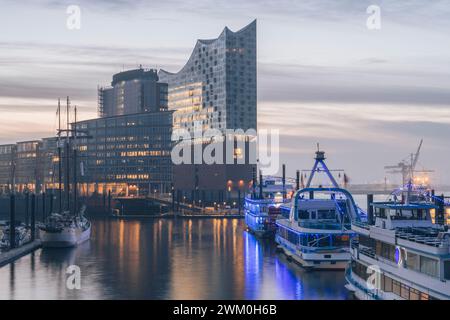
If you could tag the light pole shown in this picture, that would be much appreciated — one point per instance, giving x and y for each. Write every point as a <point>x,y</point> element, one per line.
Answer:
<point>241,186</point>
<point>229,187</point>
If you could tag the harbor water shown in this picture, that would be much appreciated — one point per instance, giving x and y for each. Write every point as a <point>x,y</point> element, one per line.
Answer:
<point>168,259</point>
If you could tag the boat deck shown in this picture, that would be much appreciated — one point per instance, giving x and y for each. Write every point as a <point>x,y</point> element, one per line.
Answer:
<point>424,235</point>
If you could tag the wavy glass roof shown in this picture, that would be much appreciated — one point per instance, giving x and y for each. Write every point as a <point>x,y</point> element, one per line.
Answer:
<point>201,42</point>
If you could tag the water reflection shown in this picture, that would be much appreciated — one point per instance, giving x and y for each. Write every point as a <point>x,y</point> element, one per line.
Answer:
<point>168,259</point>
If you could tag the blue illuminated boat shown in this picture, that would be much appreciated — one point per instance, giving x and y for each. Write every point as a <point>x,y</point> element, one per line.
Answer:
<point>263,209</point>
<point>317,232</point>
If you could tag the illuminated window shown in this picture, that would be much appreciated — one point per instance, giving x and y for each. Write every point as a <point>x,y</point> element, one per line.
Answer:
<point>238,153</point>
<point>433,214</point>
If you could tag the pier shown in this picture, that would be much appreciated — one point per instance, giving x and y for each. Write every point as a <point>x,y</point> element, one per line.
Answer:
<point>176,208</point>
<point>19,239</point>
<point>14,254</point>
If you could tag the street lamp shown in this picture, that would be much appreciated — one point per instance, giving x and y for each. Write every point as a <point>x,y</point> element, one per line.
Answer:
<point>241,188</point>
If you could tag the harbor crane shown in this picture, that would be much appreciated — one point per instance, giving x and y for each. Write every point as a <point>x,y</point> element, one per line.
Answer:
<point>407,167</point>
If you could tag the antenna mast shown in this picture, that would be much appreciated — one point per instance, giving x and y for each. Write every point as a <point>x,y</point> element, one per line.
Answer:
<point>320,158</point>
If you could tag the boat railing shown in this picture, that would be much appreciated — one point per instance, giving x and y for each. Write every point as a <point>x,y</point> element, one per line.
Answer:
<point>368,252</point>
<point>354,243</point>
<point>426,236</point>
<point>361,224</point>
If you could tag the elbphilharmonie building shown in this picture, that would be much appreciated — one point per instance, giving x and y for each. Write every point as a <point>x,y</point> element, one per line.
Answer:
<point>217,86</point>
<point>216,89</point>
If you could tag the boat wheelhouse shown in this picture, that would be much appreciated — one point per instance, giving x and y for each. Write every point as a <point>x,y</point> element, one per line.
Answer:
<point>318,231</point>
<point>261,210</point>
<point>400,254</point>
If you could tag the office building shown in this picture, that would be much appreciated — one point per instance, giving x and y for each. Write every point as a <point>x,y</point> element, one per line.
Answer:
<point>49,162</point>
<point>27,173</point>
<point>7,156</point>
<point>127,154</point>
<point>132,91</point>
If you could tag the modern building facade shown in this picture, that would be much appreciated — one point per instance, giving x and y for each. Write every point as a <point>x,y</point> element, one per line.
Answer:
<point>49,162</point>
<point>217,86</point>
<point>28,166</point>
<point>127,154</point>
<point>7,158</point>
<point>132,91</point>
<point>126,151</point>
<point>216,89</point>
<point>27,173</point>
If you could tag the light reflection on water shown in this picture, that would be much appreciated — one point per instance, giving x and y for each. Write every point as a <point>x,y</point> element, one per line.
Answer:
<point>168,259</point>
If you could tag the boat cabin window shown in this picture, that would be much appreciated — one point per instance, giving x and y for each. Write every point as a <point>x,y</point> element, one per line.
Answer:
<point>303,214</point>
<point>317,240</point>
<point>380,213</point>
<point>317,214</point>
<point>421,214</point>
<point>408,214</point>
<point>398,214</point>
<point>327,214</point>
<point>447,270</point>
<point>303,239</point>
<point>429,266</point>
<point>342,240</point>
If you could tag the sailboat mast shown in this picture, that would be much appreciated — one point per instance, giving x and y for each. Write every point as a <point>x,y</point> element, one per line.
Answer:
<point>75,182</point>
<point>59,157</point>
<point>67,151</point>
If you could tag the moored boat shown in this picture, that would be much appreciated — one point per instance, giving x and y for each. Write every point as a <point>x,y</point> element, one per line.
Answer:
<point>318,231</point>
<point>263,209</point>
<point>65,230</point>
<point>22,235</point>
<point>400,254</point>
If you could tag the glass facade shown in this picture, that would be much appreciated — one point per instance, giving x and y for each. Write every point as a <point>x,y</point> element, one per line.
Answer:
<point>216,89</point>
<point>217,86</point>
<point>49,162</point>
<point>129,154</point>
<point>7,155</point>
<point>26,171</point>
<point>132,91</point>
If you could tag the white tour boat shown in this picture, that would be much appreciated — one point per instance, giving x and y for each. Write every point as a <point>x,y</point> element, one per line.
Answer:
<point>318,231</point>
<point>400,254</point>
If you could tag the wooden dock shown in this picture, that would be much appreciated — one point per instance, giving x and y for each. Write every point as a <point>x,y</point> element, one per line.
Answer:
<point>14,254</point>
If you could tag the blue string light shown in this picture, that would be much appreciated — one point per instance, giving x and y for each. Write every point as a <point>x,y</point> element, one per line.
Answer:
<point>423,193</point>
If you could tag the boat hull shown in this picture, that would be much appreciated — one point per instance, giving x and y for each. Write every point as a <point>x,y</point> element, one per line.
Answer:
<point>68,237</point>
<point>262,226</point>
<point>261,233</point>
<point>315,261</point>
<point>357,288</point>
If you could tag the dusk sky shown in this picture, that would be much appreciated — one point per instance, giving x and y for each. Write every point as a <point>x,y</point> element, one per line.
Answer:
<point>368,96</point>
